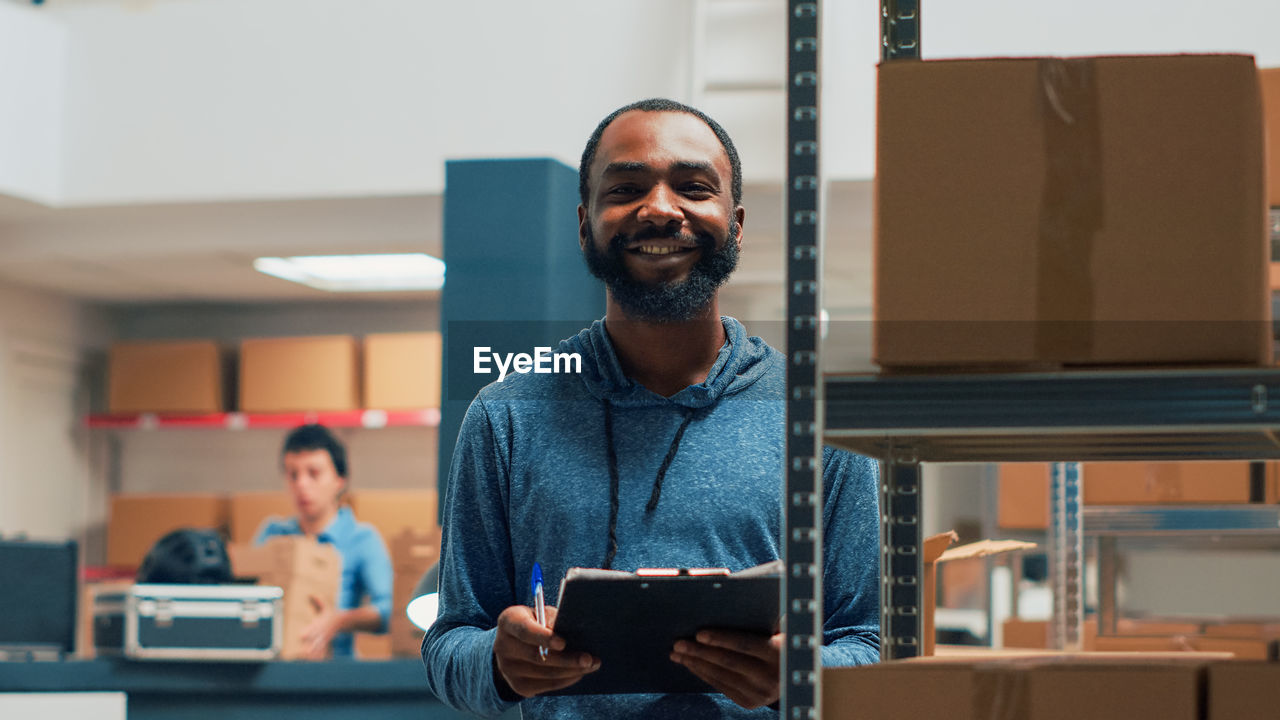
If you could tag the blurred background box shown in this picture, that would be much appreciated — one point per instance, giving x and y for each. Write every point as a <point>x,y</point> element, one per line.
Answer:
<point>136,522</point>
<point>1023,488</point>
<point>402,370</point>
<point>1160,483</point>
<point>394,511</point>
<point>248,511</point>
<point>1023,496</point>
<point>413,553</point>
<point>299,373</point>
<point>302,567</point>
<point>173,377</point>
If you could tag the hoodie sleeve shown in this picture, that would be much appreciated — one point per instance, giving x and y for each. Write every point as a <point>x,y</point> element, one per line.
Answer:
<point>851,559</point>
<point>475,570</point>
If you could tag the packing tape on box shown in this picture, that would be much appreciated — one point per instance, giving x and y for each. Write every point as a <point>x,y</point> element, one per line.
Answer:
<point>1071,210</point>
<point>1001,693</point>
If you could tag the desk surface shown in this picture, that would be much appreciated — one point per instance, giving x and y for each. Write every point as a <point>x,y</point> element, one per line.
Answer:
<point>219,690</point>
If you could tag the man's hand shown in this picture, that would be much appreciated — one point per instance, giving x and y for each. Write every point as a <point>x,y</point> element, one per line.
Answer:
<point>515,654</point>
<point>743,666</point>
<point>317,635</point>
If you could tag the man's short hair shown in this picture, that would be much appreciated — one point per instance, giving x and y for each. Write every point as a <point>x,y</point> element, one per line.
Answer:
<point>317,437</point>
<point>660,105</point>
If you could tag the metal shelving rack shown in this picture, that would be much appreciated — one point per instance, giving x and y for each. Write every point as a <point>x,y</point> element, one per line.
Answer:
<point>903,421</point>
<point>1058,417</point>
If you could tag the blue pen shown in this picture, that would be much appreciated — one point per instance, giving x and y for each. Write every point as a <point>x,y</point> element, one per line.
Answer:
<point>539,603</point>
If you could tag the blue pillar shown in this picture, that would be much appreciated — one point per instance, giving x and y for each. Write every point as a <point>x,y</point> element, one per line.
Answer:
<point>515,278</point>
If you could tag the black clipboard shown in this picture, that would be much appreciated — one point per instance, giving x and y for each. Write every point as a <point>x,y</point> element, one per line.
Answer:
<point>631,622</point>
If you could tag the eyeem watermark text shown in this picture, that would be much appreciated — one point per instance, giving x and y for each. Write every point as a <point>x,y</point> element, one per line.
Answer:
<point>542,361</point>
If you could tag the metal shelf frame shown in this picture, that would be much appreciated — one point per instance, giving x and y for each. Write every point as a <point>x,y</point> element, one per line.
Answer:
<point>1061,417</point>
<point>906,420</point>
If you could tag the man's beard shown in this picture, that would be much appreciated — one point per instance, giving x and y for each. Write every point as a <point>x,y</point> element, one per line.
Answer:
<point>675,301</point>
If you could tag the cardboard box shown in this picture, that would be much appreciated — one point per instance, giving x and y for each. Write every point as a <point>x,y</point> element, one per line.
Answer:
<point>1267,630</point>
<point>1244,691</point>
<point>136,522</point>
<point>249,510</point>
<point>1065,687</point>
<point>1034,634</point>
<point>1166,483</point>
<point>1023,490</point>
<point>1047,212</point>
<point>89,592</point>
<point>1230,647</point>
<point>394,511</point>
<point>402,370</point>
<point>414,550</point>
<point>164,377</point>
<point>303,568</point>
<point>413,553</point>
<point>299,374</point>
<point>1023,496</point>
<point>935,551</point>
<point>369,646</point>
<point>1270,80</point>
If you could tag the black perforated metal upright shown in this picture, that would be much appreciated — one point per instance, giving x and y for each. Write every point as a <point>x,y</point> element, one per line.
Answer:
<point>802,514</point>
<point>901,563</point>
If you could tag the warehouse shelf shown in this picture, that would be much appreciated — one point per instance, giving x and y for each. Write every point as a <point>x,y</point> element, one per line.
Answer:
<point>1062,417</point>
<point>1066,416</point>
<point>1183,520</point>
<point>371,419</point>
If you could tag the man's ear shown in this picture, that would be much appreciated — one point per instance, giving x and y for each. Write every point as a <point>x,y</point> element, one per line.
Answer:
<point>740,213</point>
<point>582,227</point>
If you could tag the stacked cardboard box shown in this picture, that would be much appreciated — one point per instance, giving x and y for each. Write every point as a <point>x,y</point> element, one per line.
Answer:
<point>169,376</point>
<point>402,370</point>
<point>1244,691</point>
<point>249,510</point>
<point>1051,687</point>
<point>394,511</point>
<point>1050,212</point>
<point>1270,80</point>
<point>136,522</point>
<point>299,373</point>
<point>413,553</point>
<point>307,570</point>
<point>1023,495</point>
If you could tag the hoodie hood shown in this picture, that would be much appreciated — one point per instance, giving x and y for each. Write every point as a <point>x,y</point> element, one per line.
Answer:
<point>742,361</point>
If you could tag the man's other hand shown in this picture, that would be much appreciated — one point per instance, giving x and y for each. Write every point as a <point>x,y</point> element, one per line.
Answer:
<point>521,666</point>
<point>743,666</point>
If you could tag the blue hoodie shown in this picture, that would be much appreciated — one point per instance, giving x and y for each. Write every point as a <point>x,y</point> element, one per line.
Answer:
<point>530,482</point>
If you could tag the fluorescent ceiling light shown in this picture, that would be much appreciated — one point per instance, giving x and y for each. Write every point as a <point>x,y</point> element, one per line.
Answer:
<point>358,273</point>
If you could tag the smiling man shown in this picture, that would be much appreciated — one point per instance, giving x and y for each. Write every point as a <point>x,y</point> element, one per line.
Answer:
<point>666,451</point>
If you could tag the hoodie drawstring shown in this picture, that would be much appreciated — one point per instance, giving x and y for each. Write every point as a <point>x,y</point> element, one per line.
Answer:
<point>612,548</point>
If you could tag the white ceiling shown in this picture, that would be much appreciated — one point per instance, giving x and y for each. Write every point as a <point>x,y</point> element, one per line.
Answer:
<point>200,252</point>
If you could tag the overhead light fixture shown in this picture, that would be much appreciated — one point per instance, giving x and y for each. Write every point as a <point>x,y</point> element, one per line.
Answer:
<point>358,273</point>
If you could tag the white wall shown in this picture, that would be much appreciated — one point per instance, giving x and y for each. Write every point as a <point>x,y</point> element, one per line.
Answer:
<point>46,458</point>
<point>240,99</point>
<point>32,70</point>
<point>992,28</point>
<point>222,99</point>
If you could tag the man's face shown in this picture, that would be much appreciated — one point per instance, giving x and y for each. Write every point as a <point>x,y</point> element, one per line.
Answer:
<point>313,482</point>
<point>660,228</point>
